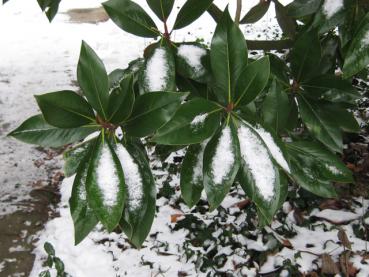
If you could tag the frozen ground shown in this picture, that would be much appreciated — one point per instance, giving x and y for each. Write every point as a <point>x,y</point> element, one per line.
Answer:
<point>38,57</point>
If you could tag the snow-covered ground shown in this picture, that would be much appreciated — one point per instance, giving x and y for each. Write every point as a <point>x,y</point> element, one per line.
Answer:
<point>38,57</point>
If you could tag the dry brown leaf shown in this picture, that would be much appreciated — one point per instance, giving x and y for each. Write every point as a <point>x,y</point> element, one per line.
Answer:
<point>328,265</point>
<point>342,236</point>
<point>175,217</point>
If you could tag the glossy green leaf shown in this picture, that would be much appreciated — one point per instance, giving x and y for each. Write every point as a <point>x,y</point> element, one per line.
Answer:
<point>252,81</point>
<point>49,249</point>
<point>300,8</point>
<point>93,79</point>
<point>221,163</point>
<point>159,71</point>
<point>190,61</point>
<point>74,156</point>
<point>84,218</point>
<point>330,47</point>
<point>151,111</point>
<point>286,22</point>
<point>193,122</point>
<point>35,130</point>
<point>279,69</point>
<point>276,107</point>
<point>130,17</point>
<point>50,7</point>
<point>228,57</point>
<point>327,20</point>
<point>141,193</point>
<point>161,8</point>
<point>121,101</point>
<point>191,11</point>
<point>215,12</point>
<point>105,185</point>
<point>342,117</point>
<point>320,125</point>
<point>357,56</point>
<point>256,12</point>
<point>304,60</point>
<point>259,176</point>
<point>192,174</point>
<point>65,109</point>
<point>324,161</point>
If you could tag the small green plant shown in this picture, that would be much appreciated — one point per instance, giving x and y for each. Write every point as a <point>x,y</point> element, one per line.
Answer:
<point>52,262</point>
<point>260,123</point>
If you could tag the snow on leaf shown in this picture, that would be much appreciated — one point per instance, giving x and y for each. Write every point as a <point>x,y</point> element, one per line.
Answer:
<point>331,7</point>
<point>107,177</point>
<point>132,178</point>
<point>192,55</point>
<point>199,119</point>
<point>198,169</point>
<point>224,157</point>
<point>256,156</point>
<point>334,170</point>
<point>365,40</point>
<point>274,150</point>
<point>156,71</point>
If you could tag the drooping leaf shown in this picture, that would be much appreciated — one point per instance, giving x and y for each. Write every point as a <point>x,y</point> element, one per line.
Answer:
<point>151,111</point>
<point>192,174</point>
<point>300,8</point>
<point>276,107</point>
<point>286,22</point>
<point>83,216</point>
<point>93,79</point>
<point>130,17</point>
<point>320,124</point>
<point>159,71</point>
<point>161,8</point>
<point>193,122</point>
<point>141,194</point>
<point>228,57</point>
<point>65,109</point>
<point>258,175</point>
<point>35,130</point>
<point>74,156</point>
<point>105,185</point>
<point>256,12</point>
<point>221,163</point>
<point>252,81</point>
<point>50,7</point>
<point>357,56</point>
<point>191,11</point>
<point>215,12</point>
<point>304,60</point>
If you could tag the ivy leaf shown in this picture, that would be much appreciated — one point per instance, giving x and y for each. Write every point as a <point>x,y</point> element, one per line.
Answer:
<point>221,163</point>
<point>228,57</point>
<point>357,56</point>
<point>192,179</point>
<point>320,125</point>
<point>36,130</point>
<point>83,216</point>
<point>256,12</point>
<point>130,17</point>
<point>74,156</point>
<point>192,123</point>
<point>65,109</point>
<point>106,192</point>
<point>93,79</point>
<point>252,81</point>
<point>141,193</point>
<point>162,8</point>
<point>151,111</point>
<point>276,107</point>
<point>304,60</point>
<point>258,175</point>
<point>159,72</point>
<point>300,8</point>
<point>191,11</point>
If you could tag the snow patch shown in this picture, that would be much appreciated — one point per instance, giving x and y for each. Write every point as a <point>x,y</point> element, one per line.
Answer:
<point>257,158</point>
<point>336,215</point>
<point>224,157</point>
<point>275,151</point>
<point>132,177</point>
<point>192,55</point>
<point>156,71</point>
<point>107,177</point>
<point>331,7</point>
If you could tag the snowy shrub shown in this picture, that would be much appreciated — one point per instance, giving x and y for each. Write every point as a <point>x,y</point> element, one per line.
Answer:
<point>260,123</point>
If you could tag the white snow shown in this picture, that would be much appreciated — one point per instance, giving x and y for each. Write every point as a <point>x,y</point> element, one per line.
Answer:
<point>157,70</point>
<point>107,177</point>
<point>197,171</point>
<point>199,119</point>
<point>274,150</point>
<point>257,158</point>
<point>336,215</point>
<point>223,158</point>
<point>331,7</point>
<point>192,54</point>
<point>132,178</point>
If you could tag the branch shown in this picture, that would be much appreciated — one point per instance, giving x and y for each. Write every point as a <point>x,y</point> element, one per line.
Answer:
<point>238,12</point>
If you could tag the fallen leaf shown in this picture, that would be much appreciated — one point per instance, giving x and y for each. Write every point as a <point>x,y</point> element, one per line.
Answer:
<point>328,265</point>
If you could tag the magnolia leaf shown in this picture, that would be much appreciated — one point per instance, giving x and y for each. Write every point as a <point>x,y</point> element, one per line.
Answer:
<point>74,156</point>
<point>191,11</point>
<point>50,7</point>
<point>300,8</point>
<point>256,12</point>
<point>161,8</point>
<point>286,22</point>
<point>329,16</point>
<point>221,163</point>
